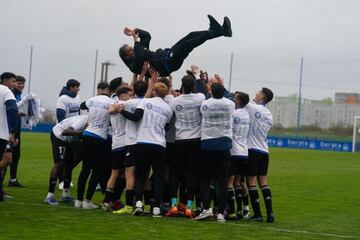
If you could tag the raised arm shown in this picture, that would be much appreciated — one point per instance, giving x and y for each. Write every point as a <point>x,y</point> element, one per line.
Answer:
<point>136,33</point>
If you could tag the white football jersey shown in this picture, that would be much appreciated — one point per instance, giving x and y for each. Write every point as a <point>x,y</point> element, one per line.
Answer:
<point>76,123</point>
<point>118,129</point>
<point>260,124</point>
<point>188,116</point>
<point>241,126</point>
<point>5,95</point>
<point>152,126</point>
<point>99,117</point>
<point>131,127</point>
<point>216,118</point>
<point>70,105</point>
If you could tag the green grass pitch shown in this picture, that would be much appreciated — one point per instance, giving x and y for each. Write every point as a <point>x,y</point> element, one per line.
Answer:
<point>316,195</point>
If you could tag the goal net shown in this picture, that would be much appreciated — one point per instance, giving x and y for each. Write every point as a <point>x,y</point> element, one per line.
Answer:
<point>356,135</point>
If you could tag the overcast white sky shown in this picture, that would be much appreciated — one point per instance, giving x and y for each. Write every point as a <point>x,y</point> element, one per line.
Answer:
<point>270,37</point>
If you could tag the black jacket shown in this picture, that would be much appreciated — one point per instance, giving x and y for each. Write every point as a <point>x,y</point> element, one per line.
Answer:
<point>157,60</point>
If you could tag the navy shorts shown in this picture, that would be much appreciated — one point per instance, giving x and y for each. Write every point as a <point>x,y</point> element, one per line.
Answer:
<point>258,163</point>
<point>239,166</point>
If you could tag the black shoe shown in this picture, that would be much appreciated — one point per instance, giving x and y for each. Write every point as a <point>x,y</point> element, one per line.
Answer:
<point>215,29</point>
<point>15,184</point>
<point>270,218</point>
<point>256,218</point>
<point>1,197</point>
<point>227,32</point>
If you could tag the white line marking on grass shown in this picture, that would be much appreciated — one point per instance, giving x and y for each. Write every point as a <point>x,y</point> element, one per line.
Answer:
<point>293,231</point>
<point>230,223</point>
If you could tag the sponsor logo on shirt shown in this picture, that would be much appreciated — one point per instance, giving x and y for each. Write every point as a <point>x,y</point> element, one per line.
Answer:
<point>237,120</point>
<point>178,108</point>
<point>149,106</point>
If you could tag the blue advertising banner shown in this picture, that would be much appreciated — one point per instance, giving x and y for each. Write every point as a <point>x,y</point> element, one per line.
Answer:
<point>43,128</point>
<point>342,146</point>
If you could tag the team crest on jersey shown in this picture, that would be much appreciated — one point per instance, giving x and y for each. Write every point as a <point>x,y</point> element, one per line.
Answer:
<point>258,115</point>
<point>149,106</point>
<point>178,108</point>
<point>204,108</point>
<point>237,120</point>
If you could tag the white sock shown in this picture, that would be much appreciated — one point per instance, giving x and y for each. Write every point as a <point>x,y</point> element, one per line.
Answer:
<point>13,180</point>
<point>66,192</point>
<point>50,195</point>
<point>246,207</point>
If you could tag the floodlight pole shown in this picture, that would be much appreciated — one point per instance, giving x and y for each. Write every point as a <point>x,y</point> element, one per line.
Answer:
<point>30,67</point>
<point>95,70</point>
<point>231,69</point>
<point>299,100</point>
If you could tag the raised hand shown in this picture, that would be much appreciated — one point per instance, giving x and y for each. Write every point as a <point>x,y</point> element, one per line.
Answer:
<point>219,79</point>
<point>154,75</point>
<point>128,32</point>
<point>120,107</point>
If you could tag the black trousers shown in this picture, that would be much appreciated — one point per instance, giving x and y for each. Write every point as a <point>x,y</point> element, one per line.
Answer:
<point>184,46</point>
<point>150,155</point>
<point>185,165</point>
<point>214,165</point>
<point>64,154</point>
<point>15,156</point>
<point>3,144</point>
<point>96,162</point>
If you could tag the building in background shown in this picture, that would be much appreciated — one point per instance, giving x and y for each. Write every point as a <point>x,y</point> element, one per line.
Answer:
<point>321,113</point>
<point>347,98</point>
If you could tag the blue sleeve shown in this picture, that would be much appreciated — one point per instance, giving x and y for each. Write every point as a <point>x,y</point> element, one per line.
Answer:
<point>229,96</point>
<point>11,114</point>
<point>60,114</point>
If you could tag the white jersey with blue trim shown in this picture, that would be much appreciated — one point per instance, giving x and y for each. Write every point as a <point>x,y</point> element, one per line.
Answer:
<point>131,127</point>
<point>99,117</point>
<point>216,118</point>
<point>241,127</point>
<point>188,117</point>
<point>261,121</point>
<point>70,105</point>
<point>118,129</point>
<point>76,123</point>
<point>157,113</point>
<point>5,95</point>
<point>110,130</point>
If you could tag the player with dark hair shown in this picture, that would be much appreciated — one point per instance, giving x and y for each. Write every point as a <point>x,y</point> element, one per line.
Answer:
<point>216,142</point>
<point>168,60</point>
<point>8,117</point>
<point>186,164</point>
<point>95,147</point>
<point>18,92</point>
<point>116,183</point>
<point>239,154</point>
<point>68,103</point>
<point>64,137</point>
<point>153,114</point>
<point>260,124</point>
<point>131,133</point>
